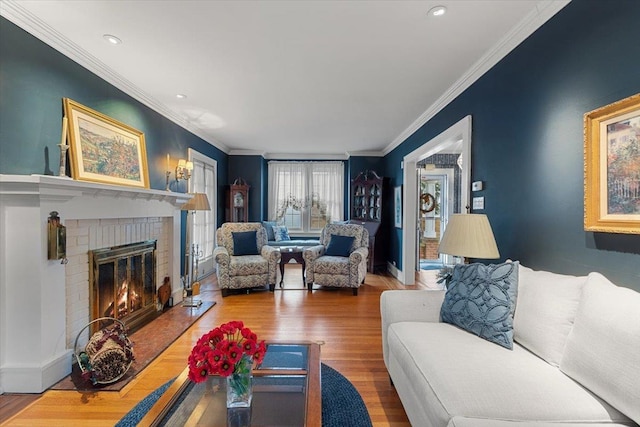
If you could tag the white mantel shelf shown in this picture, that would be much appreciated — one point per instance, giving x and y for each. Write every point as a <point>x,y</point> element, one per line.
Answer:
<point>33,320</point>
<point>62,188</point>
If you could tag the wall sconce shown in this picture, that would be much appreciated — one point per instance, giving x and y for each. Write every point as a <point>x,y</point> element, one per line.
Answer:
<point>182,171</point>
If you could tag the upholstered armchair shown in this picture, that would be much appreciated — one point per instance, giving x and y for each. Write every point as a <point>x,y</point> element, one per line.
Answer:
<point>341,258</point>
<point>243,258</point>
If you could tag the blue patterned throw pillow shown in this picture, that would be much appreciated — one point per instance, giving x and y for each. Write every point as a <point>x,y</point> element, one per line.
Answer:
<point>281,233</point>
<point>245,243</point>
<point>482,300</point>
<point>268,226</point>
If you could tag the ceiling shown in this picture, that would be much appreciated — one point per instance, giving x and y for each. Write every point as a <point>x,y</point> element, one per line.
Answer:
<point>288,78</point>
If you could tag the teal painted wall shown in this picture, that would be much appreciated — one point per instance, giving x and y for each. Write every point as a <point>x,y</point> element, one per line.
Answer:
<point>527,141</point>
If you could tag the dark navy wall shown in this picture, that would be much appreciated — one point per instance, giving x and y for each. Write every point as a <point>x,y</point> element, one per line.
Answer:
<point>527,141</point>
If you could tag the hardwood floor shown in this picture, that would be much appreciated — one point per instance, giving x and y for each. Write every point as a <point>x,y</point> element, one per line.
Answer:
<point>347,326</point>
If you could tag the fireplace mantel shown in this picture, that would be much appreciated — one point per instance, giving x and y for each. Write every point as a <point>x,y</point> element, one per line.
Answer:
<point>34,329</point>
<point>63,189</point>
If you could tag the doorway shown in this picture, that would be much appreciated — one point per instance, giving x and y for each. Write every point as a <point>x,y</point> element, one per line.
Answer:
<point>432,214</point>
<point>458,135</point>
<point>202,224</point>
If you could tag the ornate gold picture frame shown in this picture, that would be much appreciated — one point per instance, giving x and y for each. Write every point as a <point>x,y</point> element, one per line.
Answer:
<point>105,150</point>
<point>612,167</point>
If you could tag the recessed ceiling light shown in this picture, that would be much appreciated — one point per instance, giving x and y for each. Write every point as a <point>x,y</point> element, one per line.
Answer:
<point>181,96</point>
<point>112,39</point>
<point>437,11</point>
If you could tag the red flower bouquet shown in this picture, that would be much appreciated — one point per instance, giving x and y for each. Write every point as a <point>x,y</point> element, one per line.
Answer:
<point>226,350</point>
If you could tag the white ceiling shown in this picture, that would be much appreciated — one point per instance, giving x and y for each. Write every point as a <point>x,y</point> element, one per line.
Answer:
<point>287,78</point>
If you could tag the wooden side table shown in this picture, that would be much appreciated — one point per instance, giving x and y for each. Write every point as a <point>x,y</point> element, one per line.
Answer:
<point>291,253</point>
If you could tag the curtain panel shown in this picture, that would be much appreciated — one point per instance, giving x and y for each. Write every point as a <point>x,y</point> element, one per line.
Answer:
<point>301,184</point>
<point>202,222</point>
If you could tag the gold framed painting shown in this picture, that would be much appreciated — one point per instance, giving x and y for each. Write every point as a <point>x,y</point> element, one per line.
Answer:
<point>612,167</point>
<point>102,149</point>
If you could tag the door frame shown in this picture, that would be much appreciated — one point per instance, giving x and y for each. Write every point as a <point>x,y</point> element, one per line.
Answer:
<point>459,131</point>
<point>207,265</point>
<point>445,176</point>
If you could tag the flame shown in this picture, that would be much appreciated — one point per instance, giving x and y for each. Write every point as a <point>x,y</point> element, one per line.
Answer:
<point>124,295</point>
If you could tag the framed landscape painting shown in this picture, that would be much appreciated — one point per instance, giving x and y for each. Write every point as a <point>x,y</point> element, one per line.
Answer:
<point>612,167</point>
<point>104,150</point>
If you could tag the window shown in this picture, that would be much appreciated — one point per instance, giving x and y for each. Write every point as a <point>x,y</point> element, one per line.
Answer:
<point>305,196</point>
<point>203,223</point>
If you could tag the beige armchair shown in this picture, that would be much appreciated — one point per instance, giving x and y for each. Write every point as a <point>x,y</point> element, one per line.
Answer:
<point>240,264</point>
<point>347,271</point>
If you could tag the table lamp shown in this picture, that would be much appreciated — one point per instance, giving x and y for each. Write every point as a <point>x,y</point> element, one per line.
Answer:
<point>468,236</point>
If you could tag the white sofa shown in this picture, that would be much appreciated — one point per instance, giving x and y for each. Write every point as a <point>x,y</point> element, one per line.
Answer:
<point>575,359</point>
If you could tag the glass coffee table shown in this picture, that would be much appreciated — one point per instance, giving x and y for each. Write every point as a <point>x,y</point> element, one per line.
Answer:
<point>286,392</point>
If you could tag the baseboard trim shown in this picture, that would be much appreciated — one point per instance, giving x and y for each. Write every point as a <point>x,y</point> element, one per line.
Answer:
<point>35,379</point>
<point>393,270</point>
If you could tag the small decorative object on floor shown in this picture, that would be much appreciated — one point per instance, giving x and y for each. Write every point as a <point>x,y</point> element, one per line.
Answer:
<point>230,351</point>
<point>108,355</point>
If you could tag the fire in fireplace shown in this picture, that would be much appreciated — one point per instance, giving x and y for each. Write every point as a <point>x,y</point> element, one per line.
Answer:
<point>122,283</point>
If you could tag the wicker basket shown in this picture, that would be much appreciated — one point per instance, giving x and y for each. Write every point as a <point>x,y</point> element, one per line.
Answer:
<point>108,354</point>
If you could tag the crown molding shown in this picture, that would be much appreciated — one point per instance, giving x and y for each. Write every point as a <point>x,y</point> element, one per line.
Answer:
<point>545,9</point>
<point>309,156</point>
<point>246,153</point>
<point>297,156</point>
<point>14,12</point>
<point>366,153</point>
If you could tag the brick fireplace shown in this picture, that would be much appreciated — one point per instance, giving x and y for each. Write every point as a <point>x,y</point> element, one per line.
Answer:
<point>45,303</point>
<point>89,235</point>
<point>122,284</point>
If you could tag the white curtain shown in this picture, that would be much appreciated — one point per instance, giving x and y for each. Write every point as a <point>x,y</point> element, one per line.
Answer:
<point>286,180</point>
<point>203,180</point>
<point>303,181</point>
<point>327,181</point>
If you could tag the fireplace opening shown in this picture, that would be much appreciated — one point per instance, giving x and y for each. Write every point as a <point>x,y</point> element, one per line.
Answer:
<point>122,282</point>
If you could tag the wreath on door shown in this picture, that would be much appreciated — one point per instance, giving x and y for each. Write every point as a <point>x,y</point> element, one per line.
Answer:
<point>427,203</point>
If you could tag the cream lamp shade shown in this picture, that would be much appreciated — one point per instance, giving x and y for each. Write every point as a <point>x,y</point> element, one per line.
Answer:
<point>199,202</point>
<point>469,236</point>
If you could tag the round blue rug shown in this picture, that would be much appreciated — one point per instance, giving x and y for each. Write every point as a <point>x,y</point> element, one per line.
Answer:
<point>342,405</point>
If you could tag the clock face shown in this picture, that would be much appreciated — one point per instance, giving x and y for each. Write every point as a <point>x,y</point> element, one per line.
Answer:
<point>238,200</point>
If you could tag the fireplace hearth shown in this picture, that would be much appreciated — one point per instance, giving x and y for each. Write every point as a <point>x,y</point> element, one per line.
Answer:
<point>122,284</point>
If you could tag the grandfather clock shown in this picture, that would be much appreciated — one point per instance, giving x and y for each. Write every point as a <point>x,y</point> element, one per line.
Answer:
<point>237,209</point>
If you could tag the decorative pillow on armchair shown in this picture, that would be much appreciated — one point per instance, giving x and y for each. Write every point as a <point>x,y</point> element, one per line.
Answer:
<point>245,243</point>
<point>339,246</point>
<point>482,300</point>
<point>281,233</point>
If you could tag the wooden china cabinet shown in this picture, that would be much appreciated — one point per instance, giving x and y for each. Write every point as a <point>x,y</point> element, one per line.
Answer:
<point>237,202</point>
<point>366,209</point>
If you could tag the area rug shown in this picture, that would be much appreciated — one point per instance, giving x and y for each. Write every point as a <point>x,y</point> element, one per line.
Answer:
<point>430,265</point>
<point>342,405</point>
<point>148,342</point>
